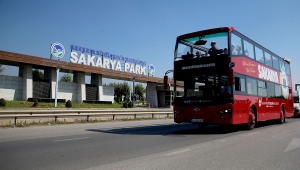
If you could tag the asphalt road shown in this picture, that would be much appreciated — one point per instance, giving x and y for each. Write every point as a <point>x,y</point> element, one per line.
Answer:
<point>155,144</point>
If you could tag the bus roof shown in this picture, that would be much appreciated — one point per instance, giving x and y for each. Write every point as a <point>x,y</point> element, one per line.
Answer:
<point>213,30</point>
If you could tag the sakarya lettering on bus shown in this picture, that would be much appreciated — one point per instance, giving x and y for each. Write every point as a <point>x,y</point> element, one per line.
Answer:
<point>267,74</point>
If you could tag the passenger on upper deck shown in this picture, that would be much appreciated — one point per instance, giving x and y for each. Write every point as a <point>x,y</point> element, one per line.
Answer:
<point>214,50</point>
<point>233,51</point>
<point>239,50</point>
<point>198,54</point>
<point>246,52</point>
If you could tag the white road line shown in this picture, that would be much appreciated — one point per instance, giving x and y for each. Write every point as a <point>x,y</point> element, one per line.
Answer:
<point>295,143</point>
<point>250,134</point>
<point>178,152</point>
<point>71,139</point>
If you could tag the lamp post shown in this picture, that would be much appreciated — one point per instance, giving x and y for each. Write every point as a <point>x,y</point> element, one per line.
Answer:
<point>56,86</point>
<point>133,91</point>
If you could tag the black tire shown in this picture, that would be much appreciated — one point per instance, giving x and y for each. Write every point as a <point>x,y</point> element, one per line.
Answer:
<point>251,120</point>
<point>282,116</point>
<point>296,114</point>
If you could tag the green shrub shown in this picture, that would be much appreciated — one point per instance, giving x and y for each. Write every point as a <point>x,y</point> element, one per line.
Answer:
<point>35,103</point>
<point>125,105</point>
<point>130,105</point>
<point>69,103</point>
<point>2,102</point>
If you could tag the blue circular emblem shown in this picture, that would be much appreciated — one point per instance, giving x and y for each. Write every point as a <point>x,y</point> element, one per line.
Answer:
<point>57,50</point>
<point>151,69</point>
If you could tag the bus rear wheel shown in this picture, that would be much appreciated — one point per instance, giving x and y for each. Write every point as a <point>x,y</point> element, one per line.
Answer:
<point>282,118</point>
<point>251,119</point>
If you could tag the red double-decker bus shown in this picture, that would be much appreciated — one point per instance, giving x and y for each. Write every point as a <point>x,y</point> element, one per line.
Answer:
<point>223,77</point>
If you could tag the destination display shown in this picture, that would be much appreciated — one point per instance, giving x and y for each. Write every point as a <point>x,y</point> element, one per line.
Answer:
<point>216,65</point>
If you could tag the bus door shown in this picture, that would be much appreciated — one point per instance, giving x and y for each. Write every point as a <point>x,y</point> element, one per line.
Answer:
<point>264,108</point>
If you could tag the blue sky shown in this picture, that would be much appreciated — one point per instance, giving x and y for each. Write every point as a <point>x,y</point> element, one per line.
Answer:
<point>144,29</point>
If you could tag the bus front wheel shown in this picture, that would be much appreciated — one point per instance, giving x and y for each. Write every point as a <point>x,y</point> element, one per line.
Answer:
<point>282,118</point>
<point>251,119</point>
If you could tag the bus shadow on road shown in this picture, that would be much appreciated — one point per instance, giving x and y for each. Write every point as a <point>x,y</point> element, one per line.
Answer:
<point>174,129</point>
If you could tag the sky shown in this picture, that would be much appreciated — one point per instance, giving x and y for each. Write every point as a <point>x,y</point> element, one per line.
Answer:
<point>144,29</point>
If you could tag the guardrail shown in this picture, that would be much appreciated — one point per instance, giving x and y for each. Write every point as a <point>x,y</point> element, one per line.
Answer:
<point>19,114</point>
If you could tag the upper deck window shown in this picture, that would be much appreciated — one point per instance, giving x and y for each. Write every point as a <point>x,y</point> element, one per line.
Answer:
<point>236,45</point>
<point>201,44</point>
<point>275,62</point>
<point>287,68</point>
<point>268,59</point>
<point>259,55</point>
<point>248,49</point>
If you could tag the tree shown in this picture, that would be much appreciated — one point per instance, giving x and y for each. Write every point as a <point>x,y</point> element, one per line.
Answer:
<point>140,91</point>
<point>1,69</point>
<point>117,91</point>
<point>125,90</point>
<point>37,75</point>
<point>66,78</point>
<point>121,89</point>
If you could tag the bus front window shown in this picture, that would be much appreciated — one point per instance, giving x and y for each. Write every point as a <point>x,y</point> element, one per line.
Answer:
<point>198,46</point>
<point>205,87</point>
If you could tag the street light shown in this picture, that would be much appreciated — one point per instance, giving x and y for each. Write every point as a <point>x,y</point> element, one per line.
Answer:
<point>133,91</point>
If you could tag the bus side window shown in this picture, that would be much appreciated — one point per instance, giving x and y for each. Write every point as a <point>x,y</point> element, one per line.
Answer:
<point>239,84</point>
<point>251,86</point>
<point>271,89</point>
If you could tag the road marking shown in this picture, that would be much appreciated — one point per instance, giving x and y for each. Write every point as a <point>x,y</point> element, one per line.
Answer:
<point>71,139</point>
<point>295,143</point>
<point>250,134</point>
<point>178,152</point>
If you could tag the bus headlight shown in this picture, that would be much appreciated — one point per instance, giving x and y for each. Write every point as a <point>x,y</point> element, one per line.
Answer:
<point>176,113</point>
<point>225,111</point>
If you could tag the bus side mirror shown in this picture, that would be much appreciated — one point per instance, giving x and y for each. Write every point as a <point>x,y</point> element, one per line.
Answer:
<point>230,77</point>
<point>165,82</point>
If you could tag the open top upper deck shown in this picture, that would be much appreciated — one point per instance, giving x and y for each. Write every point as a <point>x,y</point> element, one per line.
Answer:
<point>229,42</point>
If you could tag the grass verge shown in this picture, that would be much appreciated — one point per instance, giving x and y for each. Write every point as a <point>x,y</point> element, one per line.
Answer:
<point>17,104</point>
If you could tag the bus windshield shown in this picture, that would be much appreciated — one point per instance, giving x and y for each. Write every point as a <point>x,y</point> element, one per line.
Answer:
<point>201,44</point>
<point>203,88</point>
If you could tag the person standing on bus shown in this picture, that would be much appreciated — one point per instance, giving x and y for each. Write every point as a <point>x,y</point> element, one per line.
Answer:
<point>239,50</point>
<point>247,52</point>
<point>233,50</point>
<point>214,50</point>
<point>198,54</point>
